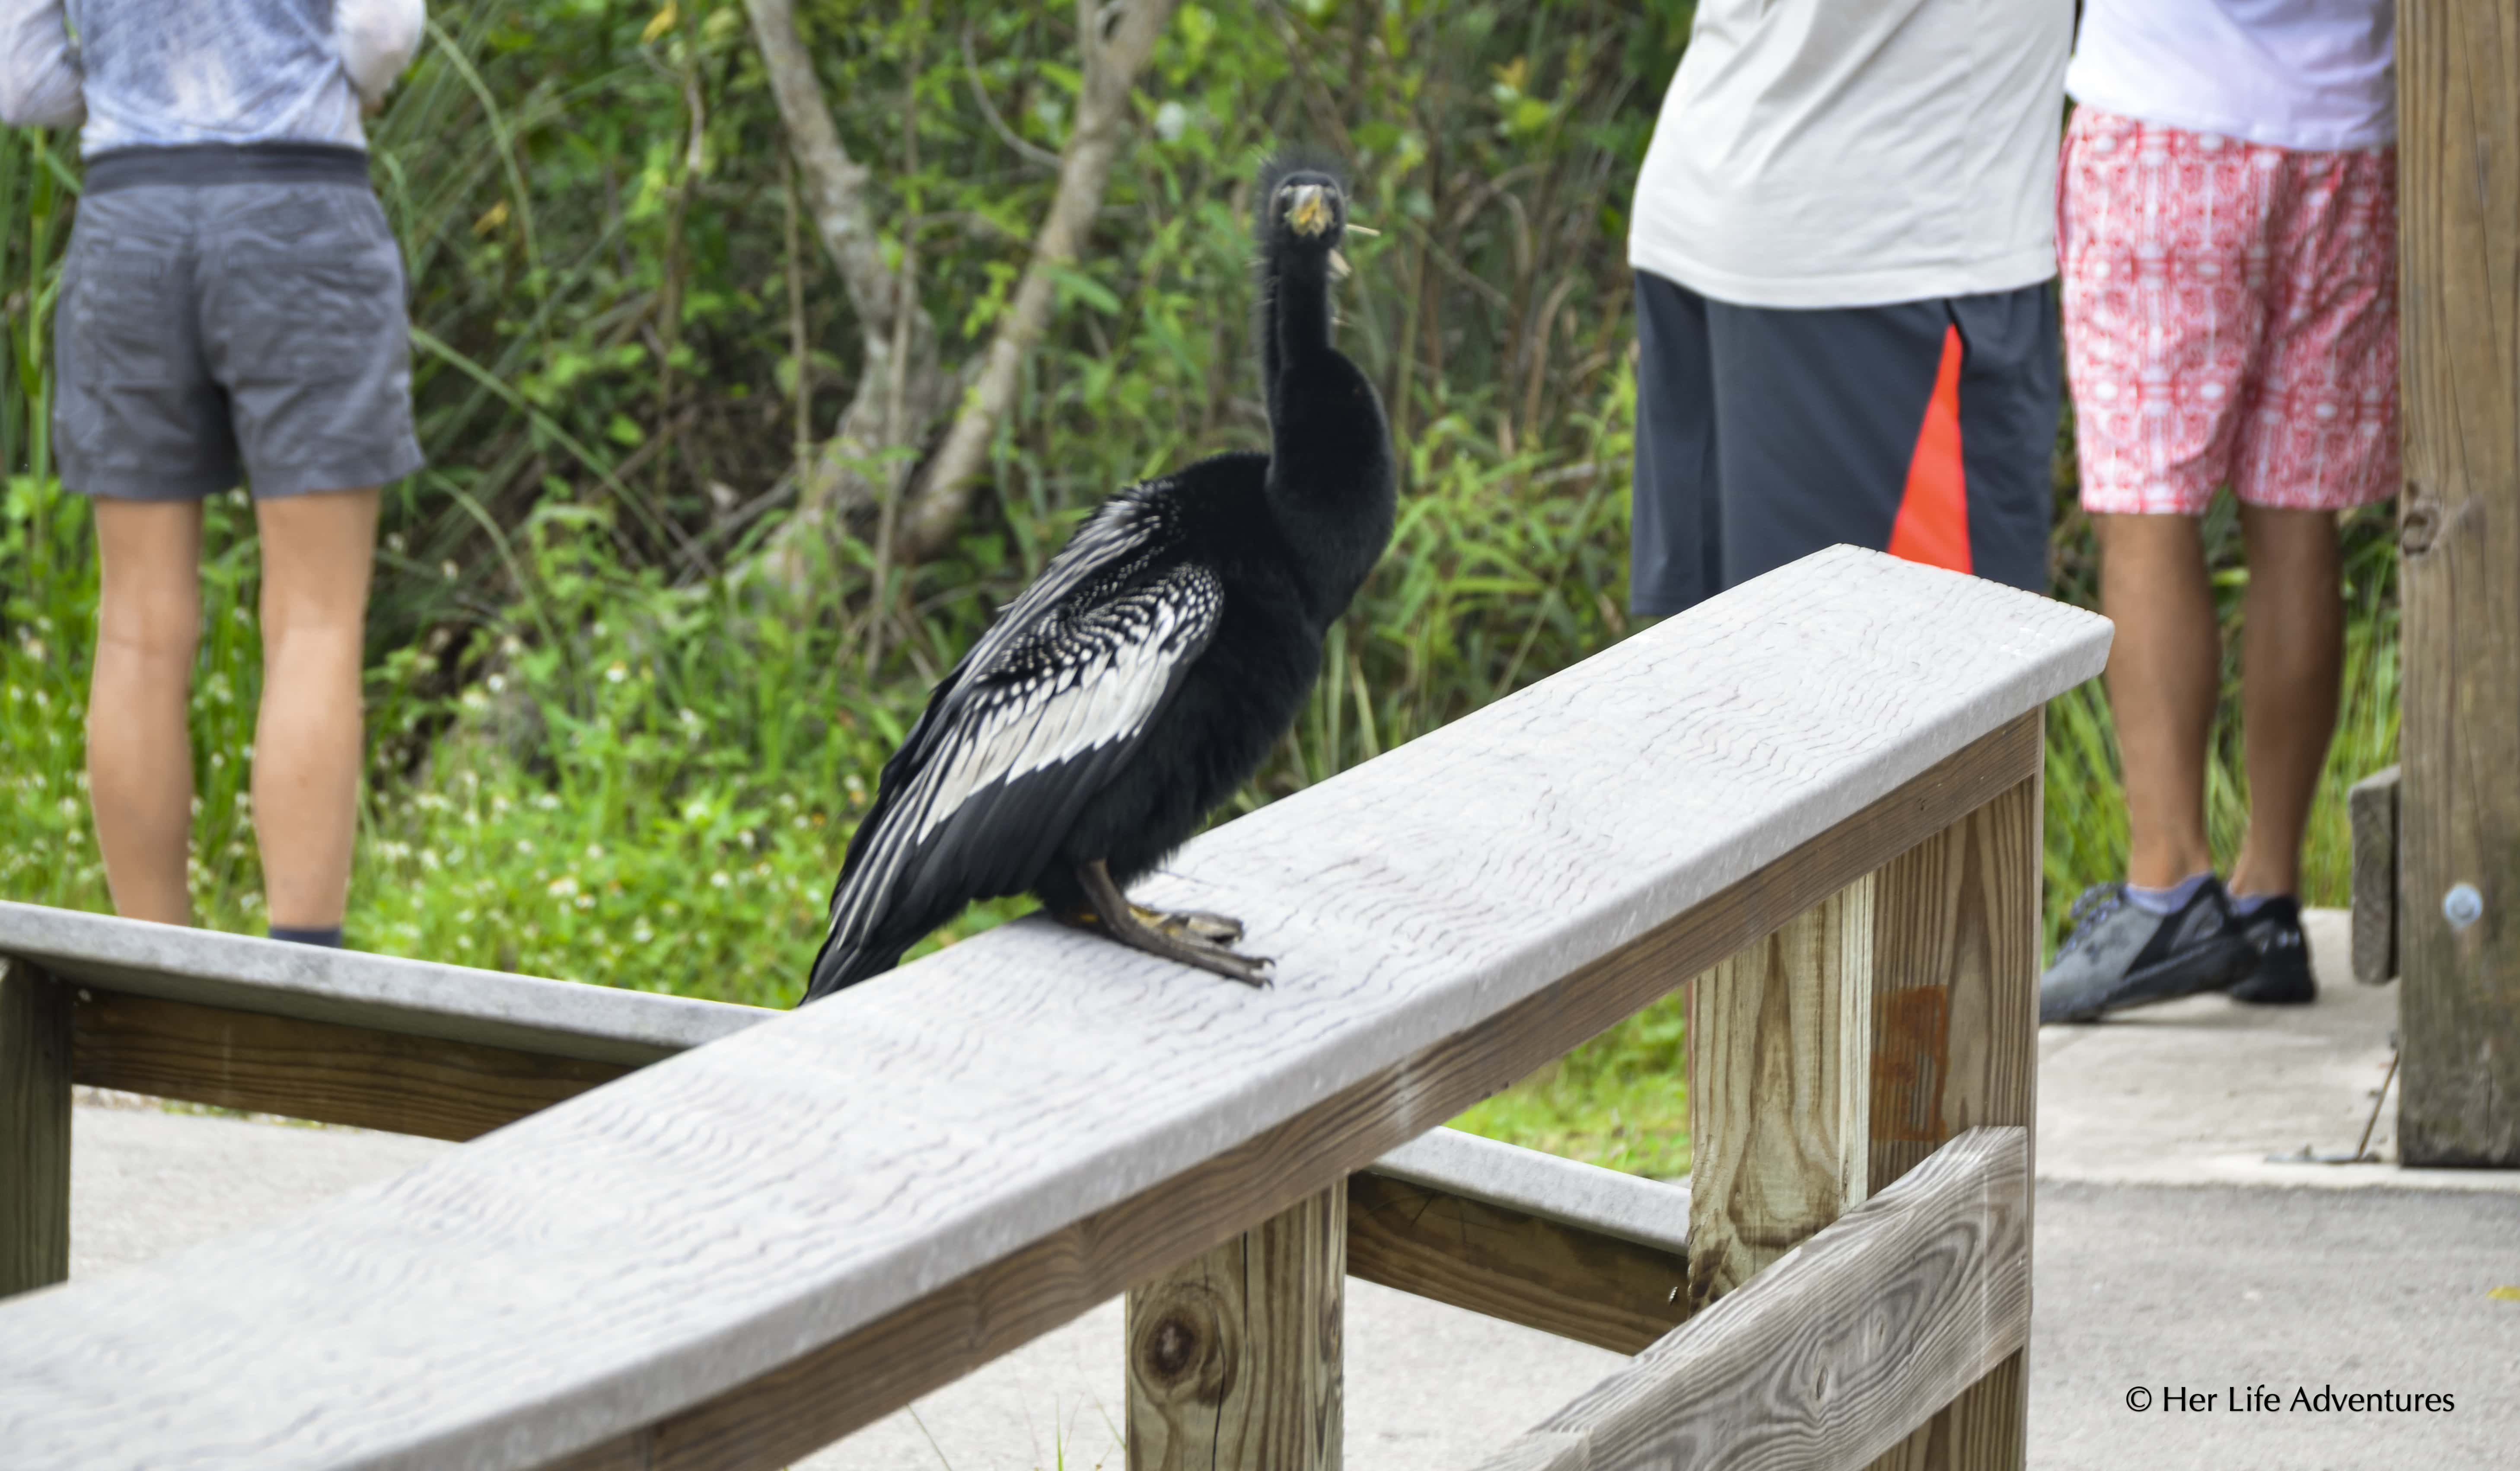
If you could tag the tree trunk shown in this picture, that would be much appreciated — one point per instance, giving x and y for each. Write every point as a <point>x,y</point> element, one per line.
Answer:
<point>867,458</point>
<point>1112,64</point>
<point>874,449</point>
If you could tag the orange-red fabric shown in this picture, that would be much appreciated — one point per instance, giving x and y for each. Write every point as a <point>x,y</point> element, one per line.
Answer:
<point>1933,513</point>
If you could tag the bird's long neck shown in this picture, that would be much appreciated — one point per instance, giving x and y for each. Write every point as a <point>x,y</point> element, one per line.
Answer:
<point>1299,317</point>
<point>1330,451</point>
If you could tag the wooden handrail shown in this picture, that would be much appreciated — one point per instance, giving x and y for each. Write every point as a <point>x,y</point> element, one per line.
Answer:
<point>740,1252</point>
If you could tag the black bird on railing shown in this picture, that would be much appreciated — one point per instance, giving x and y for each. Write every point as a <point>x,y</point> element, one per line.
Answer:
<point>1144,676</point>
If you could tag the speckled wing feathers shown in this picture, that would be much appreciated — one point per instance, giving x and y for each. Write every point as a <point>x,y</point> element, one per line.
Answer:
<point>1032,723</point>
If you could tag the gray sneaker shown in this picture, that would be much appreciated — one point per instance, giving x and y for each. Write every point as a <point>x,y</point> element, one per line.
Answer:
<point>2122,955</point>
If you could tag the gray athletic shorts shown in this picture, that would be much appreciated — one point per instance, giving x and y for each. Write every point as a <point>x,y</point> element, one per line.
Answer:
<point>231,313</point>
<point>1923,428</point>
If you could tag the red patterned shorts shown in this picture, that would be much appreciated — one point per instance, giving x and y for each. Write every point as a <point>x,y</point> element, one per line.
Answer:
<point>2231,317</point>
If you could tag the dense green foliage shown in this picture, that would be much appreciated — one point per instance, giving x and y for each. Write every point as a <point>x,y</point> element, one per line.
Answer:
<point>602,752</point>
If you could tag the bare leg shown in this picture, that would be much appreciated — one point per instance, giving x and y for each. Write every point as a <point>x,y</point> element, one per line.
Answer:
<point>2163,676</point>
<point>2292,657</point>
<point>317,551</point>
<point>1183,938</point>
<point>139,749</point>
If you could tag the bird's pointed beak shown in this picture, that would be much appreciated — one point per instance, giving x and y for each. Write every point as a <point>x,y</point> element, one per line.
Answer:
<point>1308,211</point>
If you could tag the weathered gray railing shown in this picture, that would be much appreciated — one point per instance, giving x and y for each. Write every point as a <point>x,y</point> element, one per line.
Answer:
<point>450,1052</point>
<point>1820,790</point>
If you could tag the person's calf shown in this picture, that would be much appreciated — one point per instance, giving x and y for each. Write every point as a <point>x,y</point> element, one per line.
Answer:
<point>2164,673</point>
<point>139,751</point>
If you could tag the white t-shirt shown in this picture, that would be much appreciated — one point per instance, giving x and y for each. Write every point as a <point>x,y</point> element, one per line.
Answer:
<point>1857,152</point>
<point>2315,74</point>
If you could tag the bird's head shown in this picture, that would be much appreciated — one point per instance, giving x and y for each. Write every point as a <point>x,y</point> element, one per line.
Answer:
<point>1312,206</point>
<point>1302,207</point>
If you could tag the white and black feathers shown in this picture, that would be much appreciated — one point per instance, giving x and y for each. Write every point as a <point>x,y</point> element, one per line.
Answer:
<point>1031,722</point>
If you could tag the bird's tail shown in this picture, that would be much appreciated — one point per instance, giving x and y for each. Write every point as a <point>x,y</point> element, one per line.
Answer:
<point>839,965</point>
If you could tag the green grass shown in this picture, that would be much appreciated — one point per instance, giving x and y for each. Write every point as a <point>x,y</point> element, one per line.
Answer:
<point>1617,1100</point>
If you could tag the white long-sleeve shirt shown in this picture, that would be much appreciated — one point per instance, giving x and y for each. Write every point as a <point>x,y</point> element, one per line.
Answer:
<point>164,72</point>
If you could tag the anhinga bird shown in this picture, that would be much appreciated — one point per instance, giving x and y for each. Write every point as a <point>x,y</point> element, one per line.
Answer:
<point>1144,676</point>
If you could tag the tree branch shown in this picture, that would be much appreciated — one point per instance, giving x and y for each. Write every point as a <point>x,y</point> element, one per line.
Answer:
<point>1112,62</point>
<point>836,184</point>
<point>900,390</point>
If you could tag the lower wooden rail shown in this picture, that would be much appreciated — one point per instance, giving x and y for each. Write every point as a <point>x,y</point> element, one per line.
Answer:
<point>1834,1355</point>
<point>1574,1250</point>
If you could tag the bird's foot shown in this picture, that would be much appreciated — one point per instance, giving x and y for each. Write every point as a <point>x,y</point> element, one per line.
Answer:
<point>1193,939</point>
<point>1189,924</point>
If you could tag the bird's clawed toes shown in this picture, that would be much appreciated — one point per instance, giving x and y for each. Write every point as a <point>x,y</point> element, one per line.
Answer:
<point>1192,925</point>
<point>1251,970</point>
<point>1202,940</point>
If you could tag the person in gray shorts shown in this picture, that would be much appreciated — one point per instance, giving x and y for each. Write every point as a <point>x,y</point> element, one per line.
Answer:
<point>230,310</point>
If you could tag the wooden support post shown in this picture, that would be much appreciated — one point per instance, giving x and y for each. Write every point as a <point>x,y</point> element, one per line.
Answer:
<point>2371,805</point>
<point>34,1130</point>
<point>1955,1046</point>
<point>1777,1048</point>
<point>1234,1356</point>
<point>2458,128</point>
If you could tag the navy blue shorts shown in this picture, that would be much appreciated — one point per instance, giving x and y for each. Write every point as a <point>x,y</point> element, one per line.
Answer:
<point>1923,428</point>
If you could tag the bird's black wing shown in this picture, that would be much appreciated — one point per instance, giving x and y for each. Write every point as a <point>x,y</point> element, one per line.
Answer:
<point>1029,725</point>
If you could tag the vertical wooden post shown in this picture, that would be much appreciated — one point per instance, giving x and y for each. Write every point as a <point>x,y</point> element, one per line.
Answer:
<point>1233,1357</point>
<point>34,1130</point>
<point>2459,129</point>
<point>1955,1046</point>
<point>1777,1081</point>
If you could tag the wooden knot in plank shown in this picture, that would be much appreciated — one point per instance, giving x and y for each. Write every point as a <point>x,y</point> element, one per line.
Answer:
<point>1182,1351</point>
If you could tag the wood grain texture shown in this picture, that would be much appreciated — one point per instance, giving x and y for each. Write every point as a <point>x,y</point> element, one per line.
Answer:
<point>1986,1425</point>
<point>34,1130</point>
<point>1576,1283</point>
<point>353,989</point>
<point>2371,805</point>
<point>1954,976</point>
<point>1234,1356</point>
<point>315,1070</point>
<point>1445,918</point>
<point>1780,1039</point>
<point>2458,113</point>
<point>825,1394</point>
<point>1826,1359</point>
<point>1955,1046</point>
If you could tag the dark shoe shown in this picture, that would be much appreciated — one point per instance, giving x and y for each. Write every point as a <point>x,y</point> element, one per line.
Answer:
<point>2122,955</point>
<point>2282,977</point>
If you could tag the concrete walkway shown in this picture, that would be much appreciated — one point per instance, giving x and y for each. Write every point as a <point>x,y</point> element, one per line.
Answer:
<point>2172,1254</point>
